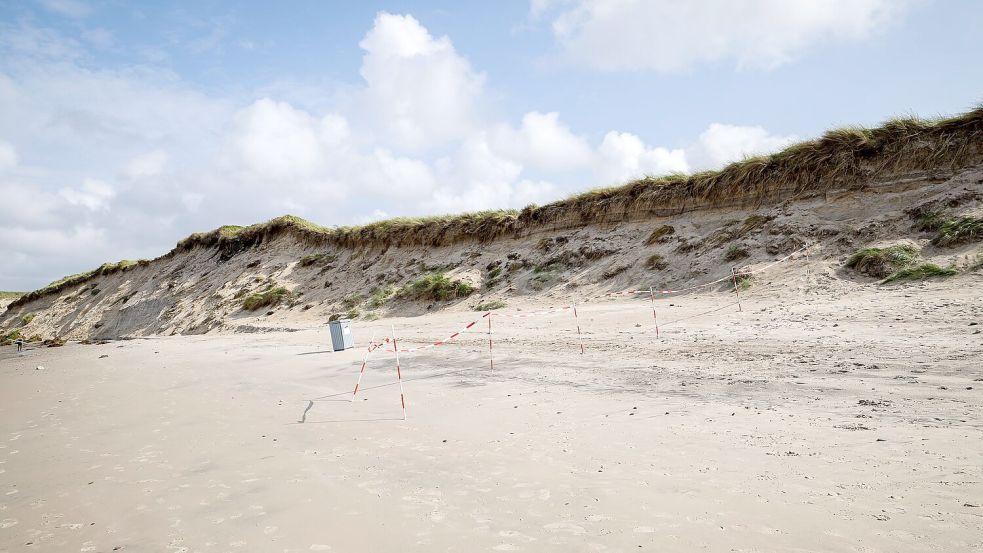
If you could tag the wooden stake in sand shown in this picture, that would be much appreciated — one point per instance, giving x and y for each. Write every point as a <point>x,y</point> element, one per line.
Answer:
<point>491,358</point>
<point>365,360</point>
<point>579,337</point>
<point>399,375</point>
<point>733,274</point>
<point>654,316</point>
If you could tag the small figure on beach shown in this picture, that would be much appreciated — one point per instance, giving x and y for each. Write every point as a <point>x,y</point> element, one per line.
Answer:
<point>20,344</point>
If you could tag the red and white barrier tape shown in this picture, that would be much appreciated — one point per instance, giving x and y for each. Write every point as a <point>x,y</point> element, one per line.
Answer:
<point>705,284</point>
<point>432,344</point>
<point>558,309</point>
<point>534,313</point>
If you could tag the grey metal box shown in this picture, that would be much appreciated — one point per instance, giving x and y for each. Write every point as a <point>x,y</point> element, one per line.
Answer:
<point>341,334</point>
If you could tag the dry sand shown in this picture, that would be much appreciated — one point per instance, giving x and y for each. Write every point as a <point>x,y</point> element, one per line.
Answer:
<point>824,417</point>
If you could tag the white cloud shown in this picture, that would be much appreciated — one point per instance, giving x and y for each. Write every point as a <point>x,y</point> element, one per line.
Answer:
<point>543,142</point>
<point>69,242</point>
<point>721,144</point>
<point>93,195</point>
<point>8,156</point>
<point>99,37</point>
<point>475,178</point>
<point>623,156</point>
<point>25,204</point>
<point>146,165</point>
<point>70,8</point>
<point>274,140</point>
<point>667,35</point>
<point>418,88</point>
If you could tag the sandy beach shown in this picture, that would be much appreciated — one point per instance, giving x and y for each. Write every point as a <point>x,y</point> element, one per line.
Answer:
<point>846,421</point>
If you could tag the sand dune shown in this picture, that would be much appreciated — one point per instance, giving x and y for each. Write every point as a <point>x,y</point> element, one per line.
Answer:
<point>827,416</point>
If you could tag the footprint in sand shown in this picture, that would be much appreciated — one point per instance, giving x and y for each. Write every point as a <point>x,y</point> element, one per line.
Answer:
<point>319,547</point>
<point>565,527</point>
<point>512,534</point>
<point>8,522</point>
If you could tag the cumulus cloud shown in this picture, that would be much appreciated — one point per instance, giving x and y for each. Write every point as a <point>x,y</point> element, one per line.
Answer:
<point>666,35</point>
<point>146,165</point>
<point>622,156</point>
<point>721,144</point>
<point>544,142</point>
<point>70,8</point>
<point>274,140</point>
<point>8,156</point>
<point>419,89</point>
<point>93,195</point>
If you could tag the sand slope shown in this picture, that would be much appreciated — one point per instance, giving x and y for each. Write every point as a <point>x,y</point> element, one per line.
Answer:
<point>827,416</point>
<point>202,290</point>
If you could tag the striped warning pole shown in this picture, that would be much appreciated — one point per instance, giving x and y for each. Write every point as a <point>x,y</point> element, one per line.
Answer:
<point>365,360</point>
<point>491,357</point>
<point>399,375</point>
<point>654,316</point>
<point>733,275</point>
<point>579,336</point>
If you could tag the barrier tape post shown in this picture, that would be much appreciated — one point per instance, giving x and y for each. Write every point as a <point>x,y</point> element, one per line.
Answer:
<point>491,357</point>
<point>733,274</point>
<point>654,316</point>
<point>365,360</point>
<point>399,375</point>
<point>579,336</point>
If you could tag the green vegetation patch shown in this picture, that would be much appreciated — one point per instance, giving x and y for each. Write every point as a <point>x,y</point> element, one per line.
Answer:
<point>273,296</point>
<point>436,286</point>
<point>656,262</point>
<point>882,262</point>
<point>920,272</point>
<point>352,300</point>
<point>751,223</point>
<point>26,319</point>
<point>8,338</point>
<point>55,342</point>
<point>736,252</point>
<point>317,259</point>
<point>382,295</point>
<point>67,282</point>
<point>10,295</point>
<point>930,221</point>
<point>490,305</point>
<point>661,234</point>
<point>959,231</point>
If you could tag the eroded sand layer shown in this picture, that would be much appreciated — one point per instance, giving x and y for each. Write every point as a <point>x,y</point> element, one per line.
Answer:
<point>823,422</point>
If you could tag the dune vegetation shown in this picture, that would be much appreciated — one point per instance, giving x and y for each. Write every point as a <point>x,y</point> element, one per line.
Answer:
<point>841,158</point>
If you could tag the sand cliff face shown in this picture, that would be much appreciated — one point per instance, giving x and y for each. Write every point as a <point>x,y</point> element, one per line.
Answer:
<point>203,288</point>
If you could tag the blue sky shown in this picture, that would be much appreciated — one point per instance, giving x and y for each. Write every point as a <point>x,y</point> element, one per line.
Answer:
<point>125,126</point>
